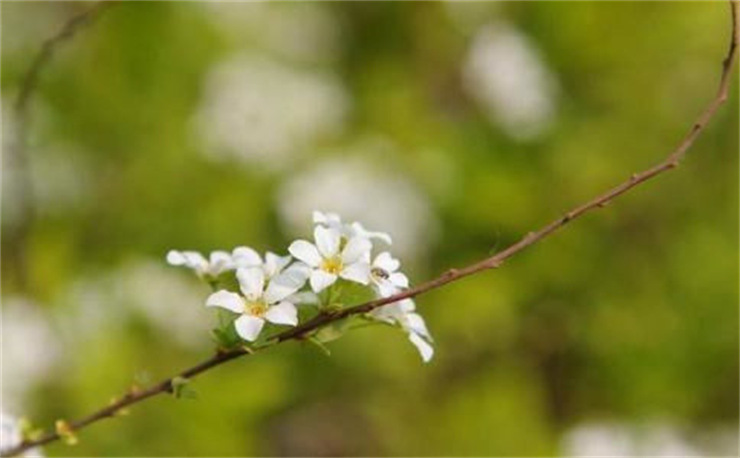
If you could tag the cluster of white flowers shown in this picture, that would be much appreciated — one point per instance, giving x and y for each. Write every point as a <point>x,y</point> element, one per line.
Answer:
<point>269,290</point>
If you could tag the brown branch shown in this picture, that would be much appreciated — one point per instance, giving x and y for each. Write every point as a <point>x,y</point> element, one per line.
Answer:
<point>299,332</point>
<point>21,105</point>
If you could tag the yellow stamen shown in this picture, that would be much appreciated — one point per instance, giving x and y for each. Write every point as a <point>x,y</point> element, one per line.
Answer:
<point>332,265</point>
<point>258,308</point>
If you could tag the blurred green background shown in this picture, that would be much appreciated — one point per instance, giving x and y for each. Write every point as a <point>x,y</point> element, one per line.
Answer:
<point>457,127</point>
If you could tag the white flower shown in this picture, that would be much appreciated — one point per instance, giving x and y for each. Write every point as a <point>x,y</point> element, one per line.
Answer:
<point>402,313</point>
<point>334,221</point>
<point>259,302</point>
<point>384,275</point>
<point>332,258</point>
<point>11,436</point>
<point>272,265</point>
<point>217,263</point>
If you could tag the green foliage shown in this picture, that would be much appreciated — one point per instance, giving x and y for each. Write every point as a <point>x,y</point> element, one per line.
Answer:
<point>627,316</point>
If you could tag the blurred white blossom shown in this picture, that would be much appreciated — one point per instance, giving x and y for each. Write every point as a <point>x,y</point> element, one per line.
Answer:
<point>506,75</point>
<point>616,439</point>
<point>260,111</point>
<point>30,349</point>
<point>362,190</point>
<point>11,435</point>
<point>99,304</point>
<point>51,179</point>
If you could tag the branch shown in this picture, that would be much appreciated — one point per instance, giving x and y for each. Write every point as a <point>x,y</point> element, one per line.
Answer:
<point>28,86</point>
<point>495,261</point>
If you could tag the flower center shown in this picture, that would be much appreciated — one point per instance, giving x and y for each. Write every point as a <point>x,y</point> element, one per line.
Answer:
<point>379,273</point>
<point>258,309</point>
<point>332,265</point>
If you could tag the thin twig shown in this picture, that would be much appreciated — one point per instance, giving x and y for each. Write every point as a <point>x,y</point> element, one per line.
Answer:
<point>21,106</point>
<point>300,332</point>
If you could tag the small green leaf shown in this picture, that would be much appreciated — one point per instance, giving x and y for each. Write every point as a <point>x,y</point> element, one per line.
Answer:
<point>181,388</point>
<point>332,331</point>
<point>320,345</point>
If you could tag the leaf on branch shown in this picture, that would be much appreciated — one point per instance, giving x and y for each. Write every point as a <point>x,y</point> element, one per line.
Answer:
<point>332,331</point>
<point>66,432</point>
<point>181,388</point>
<point>320,345</point>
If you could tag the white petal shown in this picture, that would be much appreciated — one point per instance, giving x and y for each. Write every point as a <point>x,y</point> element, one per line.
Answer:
<point>328,219</point>
<point>274,263</point>
<point>319,217</point>
<point>286,283</point>
<point>282,313</point>
<point>386,288</point>
<point>425,350</point>
<point>248,327</point>
<point>220,261</point>
<point>304,297</point>
<point>175,258</point>
<point>406,305</point>
<point>390,313</point>
<point>356,249</point>
<point>245,257</point>
<point>191,259</point>
<point>226,299</point>
<point>327,241</point>
<point>321,280</point>
<point>306,252</point>
<point>358,272</point>
<point>398,279</point>
<point>251,281</point>
<point>415,324</point>
<point>386,262</point>
<point>362,232</point>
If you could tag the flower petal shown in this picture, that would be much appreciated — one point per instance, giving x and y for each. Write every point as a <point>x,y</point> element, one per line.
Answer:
<point>251,281</point>
<point>248,327</point>
<point>306,252</point>
<point>226,299</point>
<point>328,219</point>
<point>321,279</point>
<point>386,288</point>
<point>286,283</point>
<point>191,259</point>
<point>415,323</point>
<point>386,262</point>
<point>274,263</point>
<point>358,272</point>
<point>356,249</point>
<point>399,280</point>
<point>219,261</point>
<point>282,313</point>
<point>175,258</point>
<point>245,257</point>
<point>327,241</point>
<point>406,305</point>
<point>304,297</point>
<point>362,232</point>
<point>425,350</point>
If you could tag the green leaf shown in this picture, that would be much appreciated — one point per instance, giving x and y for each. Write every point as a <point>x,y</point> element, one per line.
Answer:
<point>320,345</point>
<point>225,335</point>
<point>181,388</point>
<point>352,293</point>
<point>332,331</point>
